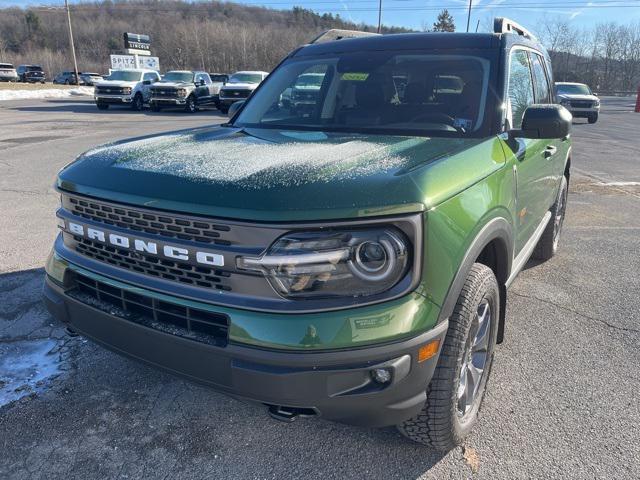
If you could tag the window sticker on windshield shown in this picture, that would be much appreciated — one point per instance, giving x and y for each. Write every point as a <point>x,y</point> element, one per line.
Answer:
<point>465,123</point>
<point>355,76</point>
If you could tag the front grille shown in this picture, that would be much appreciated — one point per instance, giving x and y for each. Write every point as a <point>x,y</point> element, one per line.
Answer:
<point>197,276</point>
<point>110,90</point>
<point>234,93</point>
<point>581,104</point>
<point>166,225</point>
<point>194,324</point>
<point>164,92</point>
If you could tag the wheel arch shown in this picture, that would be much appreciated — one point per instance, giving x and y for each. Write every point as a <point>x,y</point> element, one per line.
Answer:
<point>493,247</point>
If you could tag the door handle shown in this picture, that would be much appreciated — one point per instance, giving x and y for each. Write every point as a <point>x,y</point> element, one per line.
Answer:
<point>550,151</point>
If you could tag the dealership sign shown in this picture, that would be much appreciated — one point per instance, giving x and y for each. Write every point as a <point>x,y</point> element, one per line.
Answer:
<point>118,62</point>
<point>137,41</point>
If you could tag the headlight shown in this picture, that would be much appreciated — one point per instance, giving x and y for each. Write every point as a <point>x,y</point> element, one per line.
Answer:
<point>565,101</point>
<point>596,103</point>
<point>336,263</point>
<point>127,91</point>
<point>182,92</point>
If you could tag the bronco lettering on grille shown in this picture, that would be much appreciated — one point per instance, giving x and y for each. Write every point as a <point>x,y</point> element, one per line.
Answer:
<point>169,251</point>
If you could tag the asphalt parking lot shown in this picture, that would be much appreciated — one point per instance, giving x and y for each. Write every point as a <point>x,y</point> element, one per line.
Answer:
<point>563,400</point>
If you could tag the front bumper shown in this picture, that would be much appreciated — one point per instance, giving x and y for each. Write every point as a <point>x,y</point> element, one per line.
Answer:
<point>168,101</point>
<point>113,99</point>
<point>230,101</point>
<point>335,384</point>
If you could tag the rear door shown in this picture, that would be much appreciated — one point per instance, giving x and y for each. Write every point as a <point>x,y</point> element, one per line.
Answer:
<point>532,169</point>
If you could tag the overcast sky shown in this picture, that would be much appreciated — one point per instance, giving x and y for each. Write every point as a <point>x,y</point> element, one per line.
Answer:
<point>415,13</point>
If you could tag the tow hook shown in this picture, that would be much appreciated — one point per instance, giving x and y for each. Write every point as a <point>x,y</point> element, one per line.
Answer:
<point>289,414</point>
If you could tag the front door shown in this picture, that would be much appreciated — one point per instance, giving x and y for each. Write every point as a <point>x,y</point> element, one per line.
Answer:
<point>532,165</point>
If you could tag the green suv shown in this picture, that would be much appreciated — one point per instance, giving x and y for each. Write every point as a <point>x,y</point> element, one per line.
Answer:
<point>349,260</point>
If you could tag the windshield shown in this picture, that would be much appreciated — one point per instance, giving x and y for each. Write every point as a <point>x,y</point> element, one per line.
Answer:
<point>125,76</point>
<point>219,78</point>
<point>6,65</point>
<point>573,90</point>
<point>34,68</point>
<point>186,77</point>
<point>245,78</point>
<point>388,92</point>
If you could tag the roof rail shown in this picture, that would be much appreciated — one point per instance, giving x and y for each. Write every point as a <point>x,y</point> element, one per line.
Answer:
<point>505,25</point>
<point>337,34</point>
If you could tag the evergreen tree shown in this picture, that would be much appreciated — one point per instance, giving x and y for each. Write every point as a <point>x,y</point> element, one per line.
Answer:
<point>444,23</point>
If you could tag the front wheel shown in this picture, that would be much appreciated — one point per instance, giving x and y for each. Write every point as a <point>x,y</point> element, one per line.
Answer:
<point>548,244</point>
<point>458,385</point>
<point>224,109</point>
<point>190,106</point>
<point>138,103</point>
<point>593,118</point>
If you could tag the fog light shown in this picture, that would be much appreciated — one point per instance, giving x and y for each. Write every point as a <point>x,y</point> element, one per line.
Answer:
<point>381,375</point>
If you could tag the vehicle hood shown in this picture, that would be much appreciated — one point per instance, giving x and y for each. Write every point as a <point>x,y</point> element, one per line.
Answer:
<point>577,97</point>
<point>247,86</point>
<point>273,175</point>
<point>115,83</point>
<point>172,84</point>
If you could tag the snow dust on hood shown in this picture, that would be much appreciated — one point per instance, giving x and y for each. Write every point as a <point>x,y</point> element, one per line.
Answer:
<point>284,159</point>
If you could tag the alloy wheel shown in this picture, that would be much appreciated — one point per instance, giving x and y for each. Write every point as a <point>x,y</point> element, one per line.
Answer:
<point>475,360</point>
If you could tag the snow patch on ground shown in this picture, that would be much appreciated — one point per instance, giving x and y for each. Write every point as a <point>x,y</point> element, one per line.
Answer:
<point>44,93</point>
<point>26,367</point>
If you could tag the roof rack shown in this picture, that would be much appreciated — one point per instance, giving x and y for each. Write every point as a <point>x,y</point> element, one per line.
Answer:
<point>337,34</point>
<point>506,25</point>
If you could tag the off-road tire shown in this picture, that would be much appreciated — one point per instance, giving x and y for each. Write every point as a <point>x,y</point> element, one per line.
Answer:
<point>138,103</point>
<point>548,244</point>
<point>102,106</point>
<point>224,109</point>
<point>191,106</point>
<point>439,424</point>
<point>593,118</point>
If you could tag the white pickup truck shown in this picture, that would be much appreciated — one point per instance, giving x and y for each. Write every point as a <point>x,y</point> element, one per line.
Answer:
<point>125,87</point>
<point>239,87</point>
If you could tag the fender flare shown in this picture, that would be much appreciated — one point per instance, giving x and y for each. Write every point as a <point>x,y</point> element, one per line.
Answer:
<point>497,228</point>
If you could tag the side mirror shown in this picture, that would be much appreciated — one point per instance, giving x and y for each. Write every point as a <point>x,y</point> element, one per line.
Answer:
<point>202,83</point>
<point>146,82</point>
<point>544,121</point>
<point>234,108</point>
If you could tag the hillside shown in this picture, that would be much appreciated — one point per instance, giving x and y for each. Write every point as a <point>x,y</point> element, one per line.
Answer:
<point>214,36</point>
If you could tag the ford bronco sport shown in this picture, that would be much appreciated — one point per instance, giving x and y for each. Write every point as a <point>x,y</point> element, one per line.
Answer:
<point>349,261</point>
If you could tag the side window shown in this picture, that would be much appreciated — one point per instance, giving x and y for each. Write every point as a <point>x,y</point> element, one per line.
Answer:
<point>206,78</point>
<point>520,86</point>
<point>543,92</point>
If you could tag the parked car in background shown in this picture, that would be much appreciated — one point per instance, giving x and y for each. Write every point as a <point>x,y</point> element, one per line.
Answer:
<point>8,73</point>
<point>239,87</point>
<point>218,80</point>
<point>125,87</point>
<point>304,92</point>
<point>66,78</point>
<point>89,78</point>
<point>31,74</point>
<point>182,88</point>
<point>579,100</point>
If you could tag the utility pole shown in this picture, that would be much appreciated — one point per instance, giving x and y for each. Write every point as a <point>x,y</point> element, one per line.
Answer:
<point>73,48</point>
<point>469,15</point>
<point>379,16</point>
